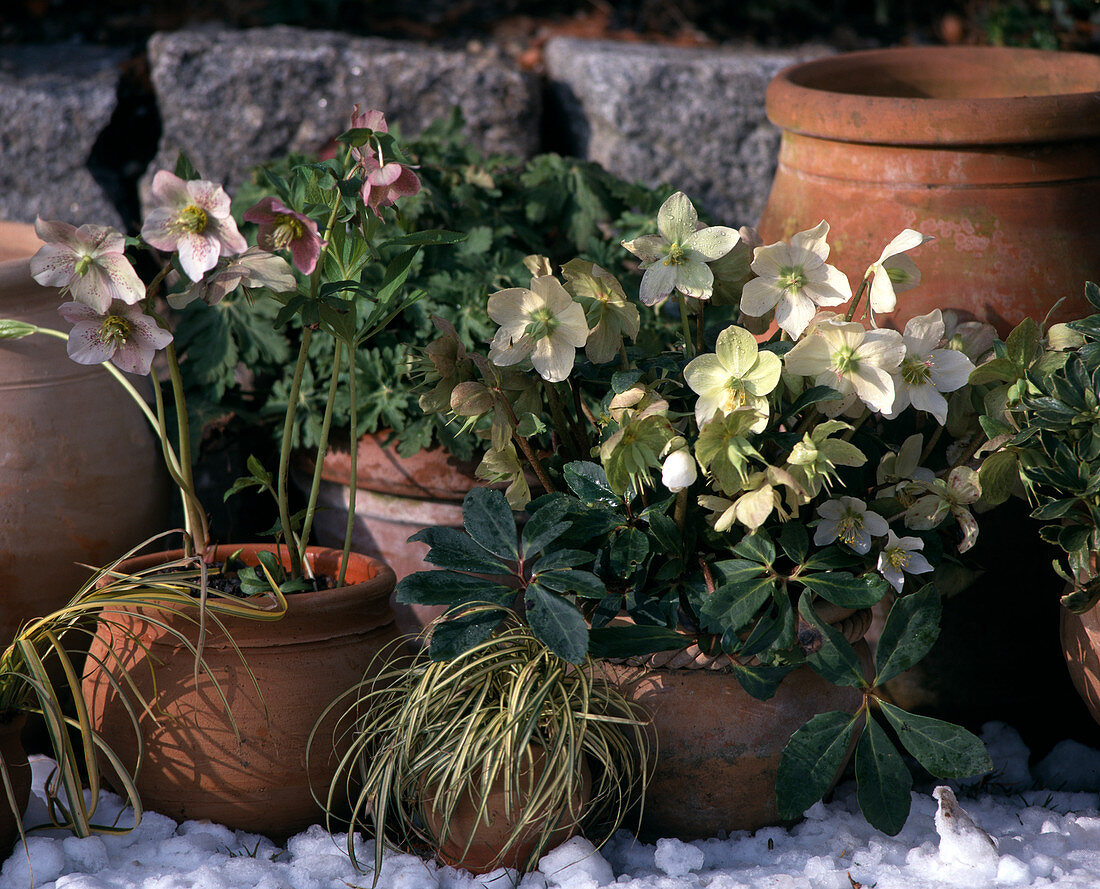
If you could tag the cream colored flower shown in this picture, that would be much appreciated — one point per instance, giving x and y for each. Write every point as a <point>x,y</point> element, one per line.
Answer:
<point>926,371</point>
<point>850,359</point>
<point>848,520</point>
<point>942,498</point>
<point>794,279</point>
<point>543,323</point>
<point>901,554</point>
<point>677,258</point>
<point>893,272</point>
<point>609,316</point>
<point>736,376</point>
<point>679,470</point>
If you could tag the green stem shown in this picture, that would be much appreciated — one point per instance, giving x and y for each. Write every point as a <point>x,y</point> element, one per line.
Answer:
<point>174,470</point>
<point>183,429</point>
<point>284,452</point>
<point>851,313</point>
<point>353,474</point>
<point>528,452</point>
<point>689,344</point>
<point>322,446</point>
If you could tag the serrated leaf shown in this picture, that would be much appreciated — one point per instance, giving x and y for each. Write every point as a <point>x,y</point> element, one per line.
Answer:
<point>451,588</point>
<point>944,749</point>
<point>589,482</point>
<point>571,580</point>
<point>757,547</point>
<point>883,782</point>
<point>911,629</point>
<point>811,760</point>
<point>846,590</point>
<point>557,622</point>
<point>1056,509</point>
<point>450,548</point>
<point>545,526</point>
<point>794,541</point>
<point>488,519</point>
<point>453,636</point>
<point>835,660</point>
<point>736,571</point>
<point>731,606</point>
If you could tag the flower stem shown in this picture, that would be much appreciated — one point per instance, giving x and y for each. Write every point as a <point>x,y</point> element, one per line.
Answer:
<point>353,469</point>
<point>685,323</point>
<point>196,515</point>
<point>284,453</point>
<point>322,446</point>
<point>851,313</point>
<point>528,451</point>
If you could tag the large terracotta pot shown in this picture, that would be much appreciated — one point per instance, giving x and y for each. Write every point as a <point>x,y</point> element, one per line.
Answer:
<point>718,748</point>
<point>396,497</point>
<point>994,152</point>
<point>19,772</point>
<point>194,765</point>
<point>1081,647</point>
<point>81,477</point>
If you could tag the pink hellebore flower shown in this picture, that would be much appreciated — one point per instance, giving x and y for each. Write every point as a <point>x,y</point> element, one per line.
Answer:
<point>281,227</point>
<point>385,183</point>
<point>253,269</point>
<point>193,218</point>
<point>123,334</point>
<point>89,261</point>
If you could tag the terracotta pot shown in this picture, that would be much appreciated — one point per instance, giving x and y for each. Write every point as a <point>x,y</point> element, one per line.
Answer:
<point>491,834</point>
<point>1081,646</point>
<point>994,152</point>
<point>194,765</point>
<point>81,477</point>
<point>718,748</point>
<point>19,771</point>
<point>396,497</point>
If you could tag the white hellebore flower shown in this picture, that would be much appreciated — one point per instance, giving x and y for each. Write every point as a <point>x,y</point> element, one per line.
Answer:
<point>901,555</point>
<point>850,358</point>
<point>543,323</point>
<point>679,470</point>
<point>736,376</point>
<point>848,520</point>
<point>677,258</point>
<point>89,261</point>
<point>893,272</point>
<point>925,371</point>
<point>794,280</point>
<point>123,334</point>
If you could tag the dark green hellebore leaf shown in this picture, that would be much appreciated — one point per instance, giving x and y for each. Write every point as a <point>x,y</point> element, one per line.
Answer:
<point>453,636</point>
<point>451,548</point>
<point>544,527</point>
<point>733,605</point>
<point>757,547</point>
<point>613,642</point>
<point>628,550</point>
<point>911,629</point>
<point>883,782</point>
<point>845,590</point>
<point>944,749</point>
<point>489,521</point>
<point>451,588</point>
<point>835,659</point>
<point>795,541</point>
<point>811,760</point>
<point>557,622</point>
<point>760,681</point>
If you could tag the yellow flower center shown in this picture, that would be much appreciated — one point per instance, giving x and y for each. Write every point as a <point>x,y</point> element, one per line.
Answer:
<point>734,396</point>
<point>193,219</point>
<point>850,527</point>
<point>287,230</point>
<point>792,278</point>
<point>82,265</point>
<point>115,329</point>
<point>916,371</point>
<point>676,255</point>
<point>896,557</point>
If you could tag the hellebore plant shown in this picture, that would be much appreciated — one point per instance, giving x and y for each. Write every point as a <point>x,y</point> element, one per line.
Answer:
<point>733,491</point>
<point>323,216</point>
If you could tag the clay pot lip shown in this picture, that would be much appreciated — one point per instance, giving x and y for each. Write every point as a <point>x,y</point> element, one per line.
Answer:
<point>318,615</point>
<point>20,243</point>
<point>847,97</point>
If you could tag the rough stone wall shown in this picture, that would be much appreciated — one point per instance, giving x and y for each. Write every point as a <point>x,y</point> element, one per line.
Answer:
<point>231,99</point>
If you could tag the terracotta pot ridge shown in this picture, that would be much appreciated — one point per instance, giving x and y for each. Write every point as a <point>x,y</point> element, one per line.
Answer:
<point>940,96</point>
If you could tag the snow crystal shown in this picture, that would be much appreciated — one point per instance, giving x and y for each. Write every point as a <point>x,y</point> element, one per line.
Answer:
<point>576,864</point>
<point>677,858</point>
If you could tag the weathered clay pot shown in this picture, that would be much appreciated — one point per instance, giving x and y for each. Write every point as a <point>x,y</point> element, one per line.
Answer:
<point>81,477</point>
<point>1081,647</point>
<point>995,152</point>
<point>719,748</point>
<point>19,772</point>
<point>396,497</point>
<point>194,765</point>
<point>490,835</point>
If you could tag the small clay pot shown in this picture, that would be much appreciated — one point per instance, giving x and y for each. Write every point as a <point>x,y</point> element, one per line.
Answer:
<point>19,772</point>
<point>486,850</point>
<point>256,778</point>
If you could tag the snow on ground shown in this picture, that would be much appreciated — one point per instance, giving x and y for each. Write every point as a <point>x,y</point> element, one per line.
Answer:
<point>1044,825</point>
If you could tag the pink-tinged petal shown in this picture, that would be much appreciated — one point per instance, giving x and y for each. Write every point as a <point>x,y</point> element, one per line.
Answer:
<point>122,282</point>
<point>87,345</point>
<point>53,265</point>
<point>169,191</point>
<point>198,254</point>
<point>57,232</point>
<point>150,335</point>
<point>369,120</point>
<point>157,229</point>
<point>133,358</point>
<point>75,313</point>
<point>264,211</point>
<point>103,239</point>
<point>407,184</point>
<point>385,175</point>
<point>94,288</point>
<point>210,196</point>
<point>228,235</point>
<point>305,252</point>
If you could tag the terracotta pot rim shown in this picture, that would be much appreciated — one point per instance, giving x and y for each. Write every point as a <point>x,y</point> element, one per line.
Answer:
<point>343,607</point>
<point>848,97</point>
